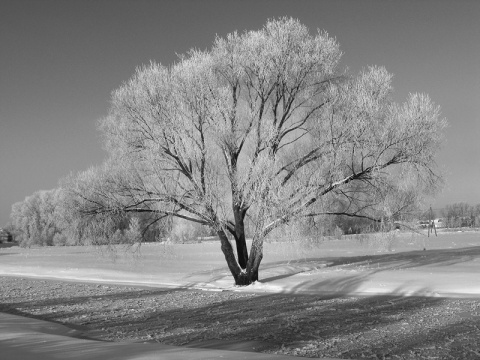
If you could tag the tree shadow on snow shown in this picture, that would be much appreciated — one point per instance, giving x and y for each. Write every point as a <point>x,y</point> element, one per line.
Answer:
<point>270,321</point>
<point>380,262</point>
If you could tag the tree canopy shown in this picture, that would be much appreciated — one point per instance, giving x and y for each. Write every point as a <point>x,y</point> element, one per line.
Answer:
<point>265,125</point>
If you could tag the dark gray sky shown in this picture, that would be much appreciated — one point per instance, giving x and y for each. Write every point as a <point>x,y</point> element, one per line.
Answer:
<point>60,60</point>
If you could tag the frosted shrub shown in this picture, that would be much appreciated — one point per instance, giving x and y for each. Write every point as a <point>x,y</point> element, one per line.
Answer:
<point>381,241</point>
<point>183,232</point>
<point>60,240</point>
<point>133,234</point>
<point>337,233</point>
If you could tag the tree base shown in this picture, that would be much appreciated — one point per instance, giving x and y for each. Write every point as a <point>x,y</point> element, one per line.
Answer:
<point>245,279</point>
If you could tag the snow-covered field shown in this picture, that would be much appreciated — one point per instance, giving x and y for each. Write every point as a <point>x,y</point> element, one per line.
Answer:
<point>396,264</point>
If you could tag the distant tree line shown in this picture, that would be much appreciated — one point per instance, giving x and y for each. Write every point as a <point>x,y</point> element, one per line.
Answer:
<point>44,219</point>
<point>461,215</point>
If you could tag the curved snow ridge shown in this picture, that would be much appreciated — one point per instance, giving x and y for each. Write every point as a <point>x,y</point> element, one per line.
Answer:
<point>34,339</point>
<point>90,275</point>
<point>405,283</point>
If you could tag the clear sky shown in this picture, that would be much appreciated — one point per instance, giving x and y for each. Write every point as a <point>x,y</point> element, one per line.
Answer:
<point>60,60</point>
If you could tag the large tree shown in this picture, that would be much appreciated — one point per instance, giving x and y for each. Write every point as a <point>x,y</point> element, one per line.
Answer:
<point>262,125</point>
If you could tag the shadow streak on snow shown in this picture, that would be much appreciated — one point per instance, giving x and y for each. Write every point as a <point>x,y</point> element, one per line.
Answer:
<point>404,260</point>
<point>296,320</point>
<point>378,263</point>
<point>271,321</point>
<point>362,268</point>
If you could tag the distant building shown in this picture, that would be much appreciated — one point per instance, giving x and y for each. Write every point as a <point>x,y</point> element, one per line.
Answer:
<point>5,236</point>
<point>425,224</point>
<point>439,223</point>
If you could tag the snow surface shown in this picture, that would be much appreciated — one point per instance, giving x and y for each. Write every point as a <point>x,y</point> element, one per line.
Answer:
<point>448,267</point>
<point>31,339</point>
<point>353,266</point>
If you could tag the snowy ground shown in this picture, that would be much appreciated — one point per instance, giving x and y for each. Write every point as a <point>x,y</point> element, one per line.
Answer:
<point>448,267</point>
<point>31,339</point>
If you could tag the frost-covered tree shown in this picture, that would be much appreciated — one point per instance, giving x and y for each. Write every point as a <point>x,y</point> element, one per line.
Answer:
<point>261,125</point>
<point>38,220</point>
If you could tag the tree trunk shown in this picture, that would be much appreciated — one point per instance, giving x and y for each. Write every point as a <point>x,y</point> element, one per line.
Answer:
<point>229,256</point>
<point>242,277</point>
<point>250,275</point>
<point>256,256</point>
<point>242,252</point>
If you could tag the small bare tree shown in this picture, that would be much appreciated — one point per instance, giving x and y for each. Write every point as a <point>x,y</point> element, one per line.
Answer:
<point>264,124</point>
